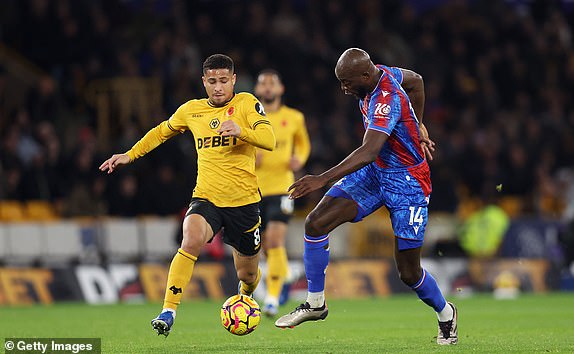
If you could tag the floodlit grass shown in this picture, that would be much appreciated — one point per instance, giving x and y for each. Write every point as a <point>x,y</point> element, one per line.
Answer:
<point>531,323</point>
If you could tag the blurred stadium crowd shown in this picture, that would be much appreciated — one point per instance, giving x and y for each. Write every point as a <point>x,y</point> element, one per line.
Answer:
<point>499,79</point>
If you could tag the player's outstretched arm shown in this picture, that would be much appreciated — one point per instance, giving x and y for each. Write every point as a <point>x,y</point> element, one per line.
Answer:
<point>372,144</point>
<point>115,161</point>
<point>150,141</point>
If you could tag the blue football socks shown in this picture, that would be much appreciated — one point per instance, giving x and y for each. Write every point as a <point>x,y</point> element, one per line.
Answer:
<point>428,291</point>
<point>316,259</point>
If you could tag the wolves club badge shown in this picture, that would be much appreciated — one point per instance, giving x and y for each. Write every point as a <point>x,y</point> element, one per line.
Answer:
<point>214,123</point>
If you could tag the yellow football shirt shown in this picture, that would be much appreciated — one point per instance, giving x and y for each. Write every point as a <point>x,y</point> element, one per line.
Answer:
<point>225,165</point>
<point>273,170</point>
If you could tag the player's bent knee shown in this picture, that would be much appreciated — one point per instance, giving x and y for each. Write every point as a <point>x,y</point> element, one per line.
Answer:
<point>407,279</point>
<point>329,214</point>
<point>409,276</point>
<point>192,244</point>
<point>190,248</point>
<point>314,226</point>
<point>195,236</point>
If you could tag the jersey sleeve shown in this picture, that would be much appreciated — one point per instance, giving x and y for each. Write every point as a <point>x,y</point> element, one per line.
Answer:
<point>396,73</point>
<point>384,112</point>
<point>255,112</point>
<point>259,133</point>
<point>177,121</point>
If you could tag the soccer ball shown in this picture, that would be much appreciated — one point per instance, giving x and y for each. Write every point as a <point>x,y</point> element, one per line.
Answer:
<point>240,314</point>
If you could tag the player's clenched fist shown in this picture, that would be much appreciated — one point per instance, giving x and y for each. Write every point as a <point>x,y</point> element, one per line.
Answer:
<point>229,128</point>
<point>114,161</point>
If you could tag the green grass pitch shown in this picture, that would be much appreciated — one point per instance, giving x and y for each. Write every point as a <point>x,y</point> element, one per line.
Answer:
<point>531,323</point>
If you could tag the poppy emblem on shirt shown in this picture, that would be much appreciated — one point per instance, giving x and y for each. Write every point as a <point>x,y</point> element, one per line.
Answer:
<point>214,123</point>
<point>230,111</point>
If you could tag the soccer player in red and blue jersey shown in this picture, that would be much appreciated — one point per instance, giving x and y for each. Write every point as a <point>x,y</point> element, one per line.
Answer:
<point>389,169</point>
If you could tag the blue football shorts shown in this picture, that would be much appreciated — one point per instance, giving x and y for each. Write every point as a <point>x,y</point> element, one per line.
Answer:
<point>400,190</point>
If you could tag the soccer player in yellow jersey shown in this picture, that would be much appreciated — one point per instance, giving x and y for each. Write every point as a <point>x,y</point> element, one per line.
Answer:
<point>227,128</point>
<point>274,170</point>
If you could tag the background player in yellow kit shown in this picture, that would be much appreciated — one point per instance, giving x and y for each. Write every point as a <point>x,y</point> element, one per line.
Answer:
<point>227,128</point>
<point>274,171</point>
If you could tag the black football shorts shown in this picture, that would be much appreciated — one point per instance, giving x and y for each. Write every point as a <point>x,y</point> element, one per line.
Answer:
<point>240,225</point>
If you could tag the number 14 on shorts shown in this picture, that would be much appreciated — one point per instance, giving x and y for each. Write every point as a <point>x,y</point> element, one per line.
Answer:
<point>415,217</point>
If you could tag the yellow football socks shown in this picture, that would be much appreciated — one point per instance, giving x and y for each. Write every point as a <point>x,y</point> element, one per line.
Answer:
<point>248,289</point>
<point>179,275</point>
<point>278,267</point>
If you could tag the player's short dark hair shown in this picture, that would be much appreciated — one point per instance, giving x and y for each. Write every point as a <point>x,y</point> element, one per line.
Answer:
<point>218,61</point>
<point>271,72</point>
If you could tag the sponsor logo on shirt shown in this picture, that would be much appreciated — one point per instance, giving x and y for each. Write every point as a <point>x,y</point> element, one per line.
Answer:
<point>382,109</point>
<point>215,141</point>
